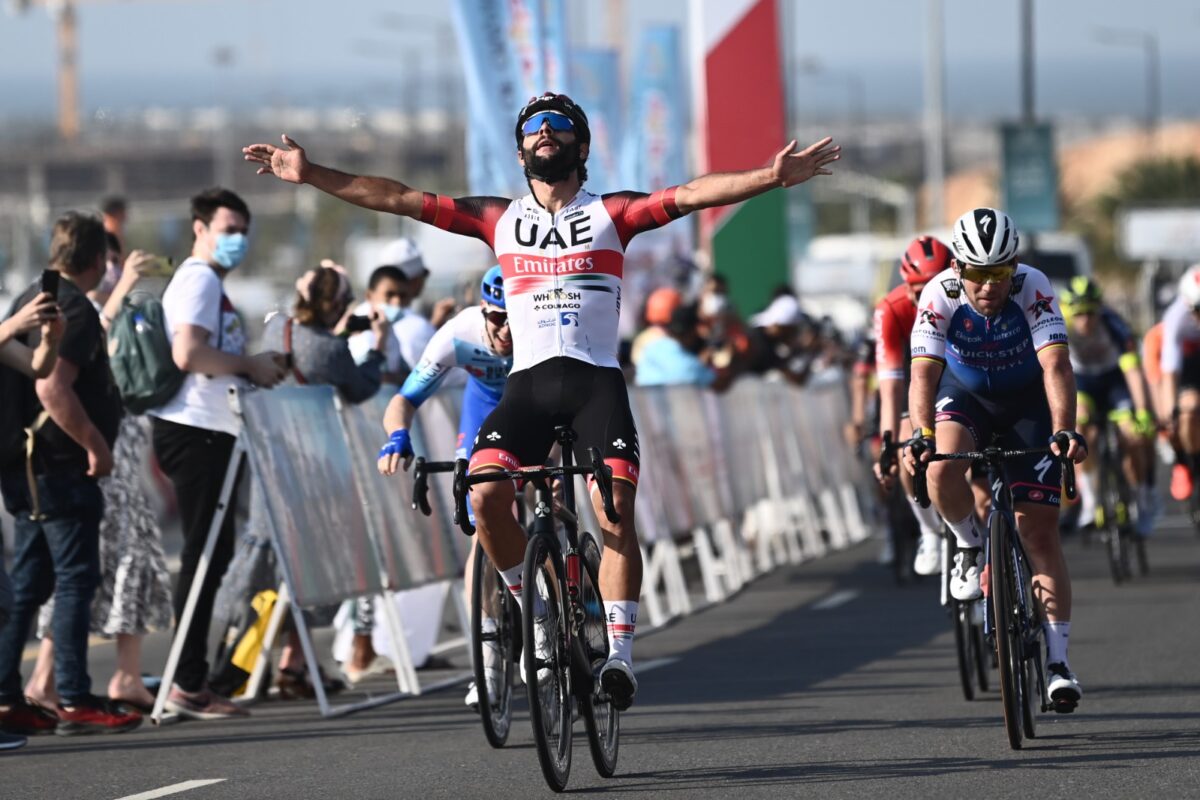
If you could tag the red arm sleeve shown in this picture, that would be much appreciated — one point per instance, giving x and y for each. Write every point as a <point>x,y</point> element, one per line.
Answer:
<point>634,212</point>
<point>468,216</point>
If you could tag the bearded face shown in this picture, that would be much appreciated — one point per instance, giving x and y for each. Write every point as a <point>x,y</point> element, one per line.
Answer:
<point>549,159</point>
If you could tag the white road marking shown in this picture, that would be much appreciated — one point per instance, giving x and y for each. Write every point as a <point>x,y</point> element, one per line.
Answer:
<point>174,788</point>
<point>653,663</point>
<point>836,599</point>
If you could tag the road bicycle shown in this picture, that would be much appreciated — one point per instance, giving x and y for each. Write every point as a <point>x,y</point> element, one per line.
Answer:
<point>563,624</point>
<point>1013,619</point>
<point>903,529</point>
<point>1114,508</point>
<point>495,635</point>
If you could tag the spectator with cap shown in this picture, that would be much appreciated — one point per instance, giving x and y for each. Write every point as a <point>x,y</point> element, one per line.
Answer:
<point>776,337</point>
<point>675,358</point>
<point>387,294</point>
<point>661,303</point>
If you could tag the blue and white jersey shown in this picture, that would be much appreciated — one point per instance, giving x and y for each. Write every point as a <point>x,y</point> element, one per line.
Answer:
<point>989,355</point>
<point>461,342</point>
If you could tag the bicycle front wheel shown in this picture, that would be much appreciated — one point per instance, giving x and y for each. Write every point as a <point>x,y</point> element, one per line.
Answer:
<point>1006,627</point>
<point>964,644</point>
<point>545,659</point>
<point>493,647</point>
<point>600,717</point>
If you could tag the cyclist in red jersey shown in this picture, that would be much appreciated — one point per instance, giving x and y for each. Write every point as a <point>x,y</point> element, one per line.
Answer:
<point>561,249</point>
<point>924,258</point>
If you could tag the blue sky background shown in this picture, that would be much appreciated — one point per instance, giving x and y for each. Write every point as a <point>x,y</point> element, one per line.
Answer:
<point>139,53</point>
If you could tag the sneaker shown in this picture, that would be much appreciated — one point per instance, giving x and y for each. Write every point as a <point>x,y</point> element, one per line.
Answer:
<point>204,704</point>
<point>1065,691</point>
<point>95,715</point>
<point>10,741</point>
<point>964,578</point>
<point>26,719</point>
<point>929,555</point>
<point>1181,482</point>
<point>618,682</point>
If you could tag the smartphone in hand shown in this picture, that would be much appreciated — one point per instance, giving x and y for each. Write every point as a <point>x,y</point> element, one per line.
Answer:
<point>50,281</point>
<point>358,323</point>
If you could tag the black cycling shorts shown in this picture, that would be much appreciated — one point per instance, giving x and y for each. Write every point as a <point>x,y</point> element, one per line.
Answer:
<point>560,391</point>
<point>1016,422</point>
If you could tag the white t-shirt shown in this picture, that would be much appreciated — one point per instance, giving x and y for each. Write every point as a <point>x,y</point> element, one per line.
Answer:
<point>363,343</point>
<point>414,333</point>
<point>195,297</point>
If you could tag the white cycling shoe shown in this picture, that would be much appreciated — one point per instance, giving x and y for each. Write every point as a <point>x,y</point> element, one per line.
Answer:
<point>618,682</point>
<point>1063,688</point>
<point>928,560</point>
<point>964,578</point>
<point>492,676</point>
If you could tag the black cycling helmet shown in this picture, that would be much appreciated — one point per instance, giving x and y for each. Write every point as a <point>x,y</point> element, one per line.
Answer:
<point>555,102</point>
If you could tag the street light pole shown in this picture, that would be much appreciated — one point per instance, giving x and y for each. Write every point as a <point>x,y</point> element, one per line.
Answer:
<point>1027,98</point>
<point>935,106</point>
<point>1148,41</point>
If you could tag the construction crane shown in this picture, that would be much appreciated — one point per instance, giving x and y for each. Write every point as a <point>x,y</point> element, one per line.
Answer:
<point>63,12</point>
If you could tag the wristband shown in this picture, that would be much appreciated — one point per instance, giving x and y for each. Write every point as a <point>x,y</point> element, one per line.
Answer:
<point>925,433</point>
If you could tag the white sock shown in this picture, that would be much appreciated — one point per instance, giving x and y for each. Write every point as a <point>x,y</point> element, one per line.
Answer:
<point>1056,641</point>
<point>622,619</point>
<point>512,579</point>
<point>965,532</point>
<point>928,518</point>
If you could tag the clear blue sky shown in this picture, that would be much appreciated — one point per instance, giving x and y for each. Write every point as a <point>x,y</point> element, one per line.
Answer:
<point>139,53</point>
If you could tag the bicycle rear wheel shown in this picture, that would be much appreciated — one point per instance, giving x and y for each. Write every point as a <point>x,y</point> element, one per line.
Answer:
<point>964,646</point>
<point>490,600</point>
<point>600,717</point>
<point>546,661</point>
<point>1005,628</point>
<point>984,658</point>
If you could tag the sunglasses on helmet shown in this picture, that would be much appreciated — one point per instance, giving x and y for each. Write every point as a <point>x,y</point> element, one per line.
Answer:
<point>558,122</point>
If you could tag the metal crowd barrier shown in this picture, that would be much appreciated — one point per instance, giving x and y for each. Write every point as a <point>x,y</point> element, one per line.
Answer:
<point>743,481</point>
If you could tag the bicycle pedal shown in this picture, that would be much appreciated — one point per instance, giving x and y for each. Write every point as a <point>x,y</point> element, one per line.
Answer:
<point>1064,706</point>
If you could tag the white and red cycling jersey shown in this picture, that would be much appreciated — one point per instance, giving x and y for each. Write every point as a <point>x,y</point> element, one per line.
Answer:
<point>895,315</point>
<point>562,272</point>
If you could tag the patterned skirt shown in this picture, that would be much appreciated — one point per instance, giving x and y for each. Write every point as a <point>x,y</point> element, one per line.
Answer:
<point>134,595</point>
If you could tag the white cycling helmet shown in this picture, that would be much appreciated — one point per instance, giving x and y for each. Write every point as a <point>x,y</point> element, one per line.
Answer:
<point>1189,286</point>
<point>985,237</point>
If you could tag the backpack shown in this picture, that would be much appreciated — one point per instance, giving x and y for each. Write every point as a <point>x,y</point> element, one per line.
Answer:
<point>139,354</point>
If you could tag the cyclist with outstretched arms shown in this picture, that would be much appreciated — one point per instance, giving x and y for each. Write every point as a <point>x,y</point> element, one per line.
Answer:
<point>1110,386</point>
<point>990,356</point>
<point>561,249</point>
<point>1180,388</point>
<point>478,341</point>
<point>924,259</point>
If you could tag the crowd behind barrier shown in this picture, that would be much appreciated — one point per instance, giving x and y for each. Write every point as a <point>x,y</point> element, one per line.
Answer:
<point>744,480</point>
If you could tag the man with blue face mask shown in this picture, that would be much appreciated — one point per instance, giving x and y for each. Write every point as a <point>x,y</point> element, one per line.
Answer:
<point>195,431</point>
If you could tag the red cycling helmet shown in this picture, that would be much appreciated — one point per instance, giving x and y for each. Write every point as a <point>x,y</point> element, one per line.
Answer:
<point>924,258</point>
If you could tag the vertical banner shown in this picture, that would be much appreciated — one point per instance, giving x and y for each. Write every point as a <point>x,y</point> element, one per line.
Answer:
<point>740,112</point>
<point>653,156</point>
<point>512,50</point>
<point>592,73</point>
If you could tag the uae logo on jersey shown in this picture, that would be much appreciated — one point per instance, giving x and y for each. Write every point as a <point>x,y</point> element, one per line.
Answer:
<point>1041,306</point>
<point>931,317</point>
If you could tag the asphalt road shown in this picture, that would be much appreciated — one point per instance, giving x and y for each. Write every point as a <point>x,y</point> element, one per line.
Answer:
<point>823,680</point>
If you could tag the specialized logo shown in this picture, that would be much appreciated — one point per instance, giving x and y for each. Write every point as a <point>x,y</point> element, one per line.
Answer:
<point>494,436</point>
<point>930,316</point>
<point>569,318</point>
<point>1043,467</point>
<point>984,222</point>
<point>1041,305</point>
<point>941,405</point>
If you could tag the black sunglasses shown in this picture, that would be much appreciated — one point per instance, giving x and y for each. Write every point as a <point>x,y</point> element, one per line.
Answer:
<point>497,318</point>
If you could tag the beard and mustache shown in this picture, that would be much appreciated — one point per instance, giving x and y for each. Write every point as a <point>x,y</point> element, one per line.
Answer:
<point>552,168</point>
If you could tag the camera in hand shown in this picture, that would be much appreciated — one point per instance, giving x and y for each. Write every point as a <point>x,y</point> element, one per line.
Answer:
<point>358,324</point>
